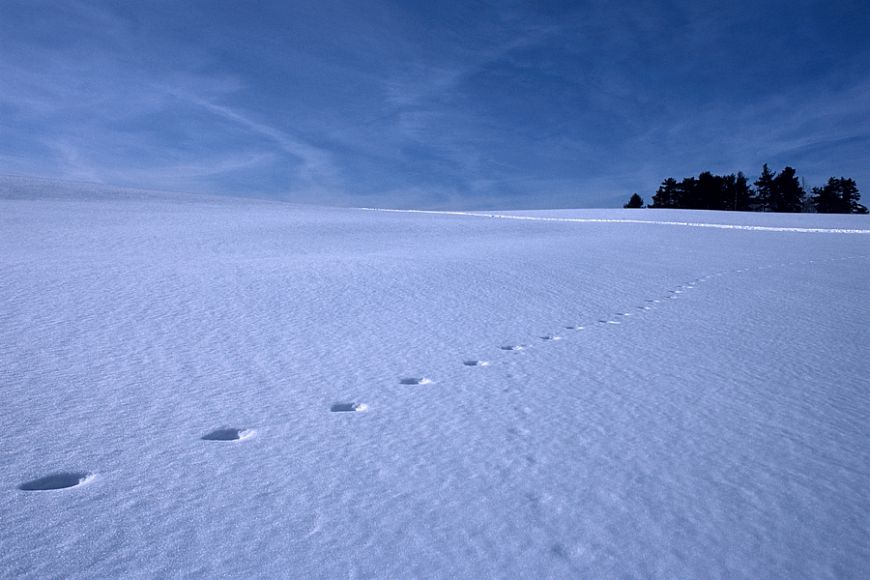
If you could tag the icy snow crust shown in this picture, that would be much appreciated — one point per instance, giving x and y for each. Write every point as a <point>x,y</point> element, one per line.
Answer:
<point>705,413</point>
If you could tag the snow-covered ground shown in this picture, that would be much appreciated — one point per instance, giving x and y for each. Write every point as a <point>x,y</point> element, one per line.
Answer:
<point>686,401</point>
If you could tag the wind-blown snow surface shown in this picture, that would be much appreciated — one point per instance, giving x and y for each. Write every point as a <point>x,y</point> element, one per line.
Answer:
<point>243,388</point>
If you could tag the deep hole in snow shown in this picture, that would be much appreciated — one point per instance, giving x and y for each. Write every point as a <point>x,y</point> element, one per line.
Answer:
<point>416,381</point>
<point>348,407</point>
<point>228,434</point>
<point>61,480</point>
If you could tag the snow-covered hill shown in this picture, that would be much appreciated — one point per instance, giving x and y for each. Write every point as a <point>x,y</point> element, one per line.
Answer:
<point>251,388</point>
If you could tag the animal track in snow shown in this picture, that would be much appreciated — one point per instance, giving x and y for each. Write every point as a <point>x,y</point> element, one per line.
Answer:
<point>349,408</point>
<point>551,337</point>
<point>416,381</point>
<point>476,363</point>
<point>228,434</point>
<point>577,327</point>
<point>603,321</point>
<point>60,480</point>
<point>514,347</point>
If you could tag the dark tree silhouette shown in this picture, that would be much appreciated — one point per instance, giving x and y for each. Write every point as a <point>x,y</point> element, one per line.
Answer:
<point>706,191</point>
<point>738,195</point>
<point>851,196</point>
<point>779,192</point>
<point>838,196</point>
<point>765,190</point>
<point>636,201</point>
<point>789,192</point>
<point>687,194</point>
<point>827,199</point>
<point>667,195</point>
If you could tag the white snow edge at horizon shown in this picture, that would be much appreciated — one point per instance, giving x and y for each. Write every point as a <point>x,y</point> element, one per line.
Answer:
<point>625,221</point>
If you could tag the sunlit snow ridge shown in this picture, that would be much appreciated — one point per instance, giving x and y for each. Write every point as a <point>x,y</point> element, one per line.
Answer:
<point>629,221</point>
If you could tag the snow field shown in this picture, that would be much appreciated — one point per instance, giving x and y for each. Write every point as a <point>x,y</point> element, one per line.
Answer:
<point>228,387</point>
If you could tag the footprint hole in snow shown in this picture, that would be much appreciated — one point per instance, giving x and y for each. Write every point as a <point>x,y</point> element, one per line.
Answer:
<point>476,363</point>
<point>349,408</point>
<point>416,381</point>
<point>60,480</point>
<point>512,347</point>
<point>228,434</point>
<point>551,337</point>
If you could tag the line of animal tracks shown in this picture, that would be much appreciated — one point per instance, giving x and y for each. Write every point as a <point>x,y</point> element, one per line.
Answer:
<point>613,319</point>
<point>235,434</point>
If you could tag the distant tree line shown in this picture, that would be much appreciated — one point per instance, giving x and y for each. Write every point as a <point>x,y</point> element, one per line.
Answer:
<point>777,192</point>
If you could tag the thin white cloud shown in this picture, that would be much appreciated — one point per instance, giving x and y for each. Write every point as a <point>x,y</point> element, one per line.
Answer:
<point>317,164</point>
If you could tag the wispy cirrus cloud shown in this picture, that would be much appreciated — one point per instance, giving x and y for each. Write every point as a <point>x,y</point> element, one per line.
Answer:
<point>499,105</point>
<point>317,165</point>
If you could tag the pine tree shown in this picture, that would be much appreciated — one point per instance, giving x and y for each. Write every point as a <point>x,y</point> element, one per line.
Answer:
<point>636,201</point>
<point>838,196</point>
<point>667,194</point>
<point>827,199</point>
<point>851,196</point>
<point>741,194</point>
<point>790,194</point>
<point>711,192</point>
<point>765,190</point>
<point>689,194</point>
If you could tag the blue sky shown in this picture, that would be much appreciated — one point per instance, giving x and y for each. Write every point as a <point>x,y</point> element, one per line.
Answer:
<point>432,104</point>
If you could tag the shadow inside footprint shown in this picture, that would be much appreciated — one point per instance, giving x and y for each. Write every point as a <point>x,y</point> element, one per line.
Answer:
<point>512,347</point>
<point>476,363</point>
<point>349,408</point>
<point>61,480</point>
<point>416,381</point>
<point>228,434</point>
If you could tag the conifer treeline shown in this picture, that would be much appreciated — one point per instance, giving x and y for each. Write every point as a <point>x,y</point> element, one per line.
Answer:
<point>779,192</point>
